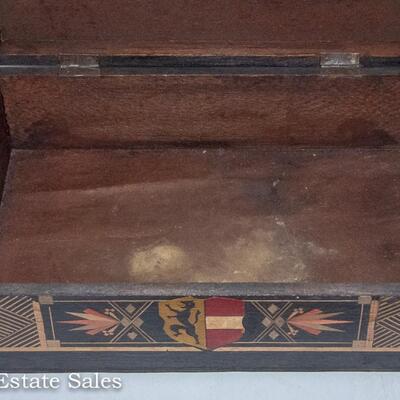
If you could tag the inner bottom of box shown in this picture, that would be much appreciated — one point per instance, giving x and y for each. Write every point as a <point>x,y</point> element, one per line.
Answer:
<point>201,215</point>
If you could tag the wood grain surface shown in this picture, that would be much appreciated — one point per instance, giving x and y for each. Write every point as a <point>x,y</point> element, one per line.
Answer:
<point>178,216</point>
<point>219,26</point>
<point>125,111</point>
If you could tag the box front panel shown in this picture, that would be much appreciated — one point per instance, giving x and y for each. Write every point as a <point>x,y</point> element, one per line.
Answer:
<point>181,331</point>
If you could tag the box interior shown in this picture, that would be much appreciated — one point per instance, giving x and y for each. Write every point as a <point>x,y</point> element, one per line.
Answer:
<point>201,215</point>
<point>176,170</point>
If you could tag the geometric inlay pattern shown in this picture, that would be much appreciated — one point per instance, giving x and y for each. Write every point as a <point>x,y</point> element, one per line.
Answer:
<point>17,323</point>
<point>205,323</point>
<point>387,325</point>
<point>286,321</point>
<point>273,322</point>
<point>116,321</point>
<point>197,323</point>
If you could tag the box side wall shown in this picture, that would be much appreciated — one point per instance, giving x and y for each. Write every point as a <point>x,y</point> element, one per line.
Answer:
<point>349,110</point>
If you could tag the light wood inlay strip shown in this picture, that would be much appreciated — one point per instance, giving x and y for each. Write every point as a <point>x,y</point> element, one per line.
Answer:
<point>373,313</point>
<point>39,324</point>
<point>192,349</point>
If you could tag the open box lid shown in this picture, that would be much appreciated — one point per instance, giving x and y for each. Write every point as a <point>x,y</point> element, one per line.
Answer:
<point>218,27</point>
<point>153,56</point>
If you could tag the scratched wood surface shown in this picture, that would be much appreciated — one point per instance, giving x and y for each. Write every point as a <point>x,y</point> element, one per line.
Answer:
<point>4,146</point>
<point>222,26</point>
<point>124,111</point>
<point>177,216</point>
<point>4,156</point>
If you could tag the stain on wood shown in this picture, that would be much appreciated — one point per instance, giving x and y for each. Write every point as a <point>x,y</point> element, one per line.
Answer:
<point>178,216</point>
<point>126,111</point>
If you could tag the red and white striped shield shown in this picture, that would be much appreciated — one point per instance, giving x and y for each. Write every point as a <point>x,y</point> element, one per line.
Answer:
<point>223,322</point>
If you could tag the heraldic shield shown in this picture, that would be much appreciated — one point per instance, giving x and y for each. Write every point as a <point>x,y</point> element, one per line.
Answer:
<point>203,323</point>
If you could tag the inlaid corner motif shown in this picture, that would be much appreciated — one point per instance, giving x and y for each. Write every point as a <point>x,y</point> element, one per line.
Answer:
<point>20,322</point>
<point>189,323</point>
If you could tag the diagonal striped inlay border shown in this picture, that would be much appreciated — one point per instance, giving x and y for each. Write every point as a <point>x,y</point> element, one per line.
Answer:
<point>387,325</point>
<point>18,326</point>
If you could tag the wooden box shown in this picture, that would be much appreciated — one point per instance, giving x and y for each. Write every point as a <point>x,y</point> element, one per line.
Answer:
<point>202,186</point>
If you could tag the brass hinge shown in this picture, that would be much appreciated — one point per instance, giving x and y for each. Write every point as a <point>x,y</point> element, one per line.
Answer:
<point>78,65</point>
<point>340,60</point>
